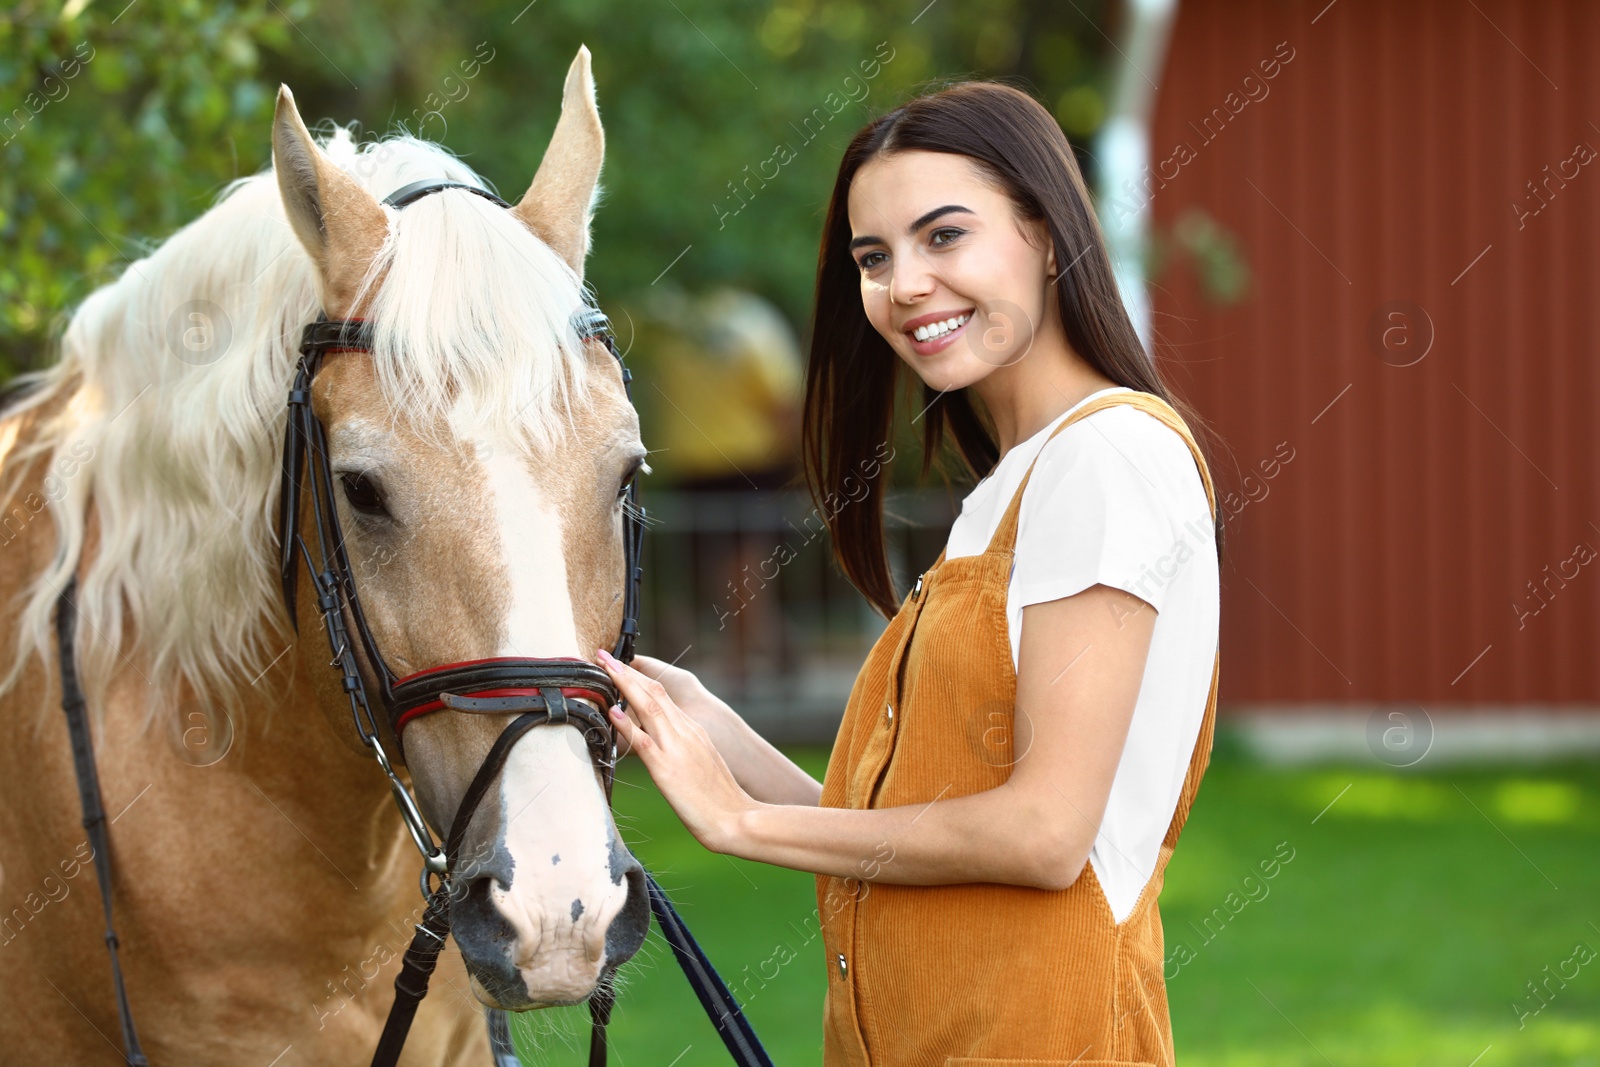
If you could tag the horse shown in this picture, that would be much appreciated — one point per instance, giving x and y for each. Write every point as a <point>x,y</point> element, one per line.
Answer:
<point>266,885</point>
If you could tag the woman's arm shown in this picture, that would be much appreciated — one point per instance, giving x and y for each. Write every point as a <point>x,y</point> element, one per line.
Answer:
<point>1081,663</point>
<point>763,772</point>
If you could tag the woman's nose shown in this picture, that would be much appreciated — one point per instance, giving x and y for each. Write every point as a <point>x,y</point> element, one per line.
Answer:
<point>910,281</point>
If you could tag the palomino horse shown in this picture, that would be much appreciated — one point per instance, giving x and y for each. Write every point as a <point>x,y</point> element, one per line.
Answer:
<point>265,885</point>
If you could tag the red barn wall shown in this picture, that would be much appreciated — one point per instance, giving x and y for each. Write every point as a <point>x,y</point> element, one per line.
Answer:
<point>1433,537</point>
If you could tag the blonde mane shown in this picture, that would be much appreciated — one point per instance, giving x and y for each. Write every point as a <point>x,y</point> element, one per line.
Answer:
<point>181,444</point>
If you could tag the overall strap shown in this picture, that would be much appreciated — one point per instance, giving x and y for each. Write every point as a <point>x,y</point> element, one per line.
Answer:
<point>1199,759</point>
<point>1005,534</point>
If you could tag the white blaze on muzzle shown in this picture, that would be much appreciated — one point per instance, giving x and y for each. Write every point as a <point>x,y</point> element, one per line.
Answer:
<point>565,886</point>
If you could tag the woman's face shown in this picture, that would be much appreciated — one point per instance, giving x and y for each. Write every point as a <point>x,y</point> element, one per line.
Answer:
<point>935,243</point>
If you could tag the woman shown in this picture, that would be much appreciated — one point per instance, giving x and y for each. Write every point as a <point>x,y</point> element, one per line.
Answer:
<point>1021,748</point>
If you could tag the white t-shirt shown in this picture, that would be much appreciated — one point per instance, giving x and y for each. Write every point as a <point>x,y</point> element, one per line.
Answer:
<point>1117,499</point>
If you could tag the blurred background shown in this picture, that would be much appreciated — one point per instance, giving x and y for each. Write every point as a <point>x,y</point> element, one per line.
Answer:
<point>1358,236</point>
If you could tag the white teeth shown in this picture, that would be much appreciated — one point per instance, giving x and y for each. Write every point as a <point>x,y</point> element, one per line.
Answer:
<point>939,329</point>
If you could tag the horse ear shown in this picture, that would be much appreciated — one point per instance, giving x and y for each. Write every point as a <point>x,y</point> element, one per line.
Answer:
<point>340,224</point>
<point>558,205</point>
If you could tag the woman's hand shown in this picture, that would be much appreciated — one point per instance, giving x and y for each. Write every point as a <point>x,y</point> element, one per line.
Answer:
<point>764,773</point>
<point>680,756</point>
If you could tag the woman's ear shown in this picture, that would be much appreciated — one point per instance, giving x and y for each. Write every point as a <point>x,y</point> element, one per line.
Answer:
<point>1037,234</point>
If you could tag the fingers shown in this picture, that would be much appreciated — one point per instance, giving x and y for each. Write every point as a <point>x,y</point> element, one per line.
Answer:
<point>647,698</point>
<point>649,665</point>
<point>629,736</point>
<point>673,677</point>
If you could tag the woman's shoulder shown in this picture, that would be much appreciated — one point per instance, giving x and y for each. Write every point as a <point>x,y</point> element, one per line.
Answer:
<point>1117,440</point>
<point>1112,500</point>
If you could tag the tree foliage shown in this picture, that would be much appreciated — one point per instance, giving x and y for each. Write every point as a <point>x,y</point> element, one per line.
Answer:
<point>118,127</point>
<point>121,121</point>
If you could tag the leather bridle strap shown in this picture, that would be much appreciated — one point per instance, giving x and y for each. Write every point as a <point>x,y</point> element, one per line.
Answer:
<point>422,955</point>
<point>411,985</point>
<point>719,1004</point>
<point>94,812</point>
<point>504,684</point>
<point>307,472</point>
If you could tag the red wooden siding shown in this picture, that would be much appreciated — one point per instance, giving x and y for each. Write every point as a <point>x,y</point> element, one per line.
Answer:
<point>1386,560</point>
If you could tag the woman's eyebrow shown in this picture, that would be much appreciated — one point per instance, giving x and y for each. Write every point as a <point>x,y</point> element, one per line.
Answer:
<point>936,213</point>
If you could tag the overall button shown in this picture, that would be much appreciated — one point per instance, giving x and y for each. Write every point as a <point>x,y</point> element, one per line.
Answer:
<point>888,711</point>
<point>842,966</point>
<point>916,590</point>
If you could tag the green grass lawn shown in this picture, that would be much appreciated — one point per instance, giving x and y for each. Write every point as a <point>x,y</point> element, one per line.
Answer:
<point>1405,916</point>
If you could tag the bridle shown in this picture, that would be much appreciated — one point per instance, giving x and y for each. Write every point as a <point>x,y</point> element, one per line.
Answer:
<point>539,692</point>
<point>553,691</point>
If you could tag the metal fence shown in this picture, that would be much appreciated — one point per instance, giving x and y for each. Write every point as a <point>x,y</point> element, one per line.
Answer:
<point>741,588</point>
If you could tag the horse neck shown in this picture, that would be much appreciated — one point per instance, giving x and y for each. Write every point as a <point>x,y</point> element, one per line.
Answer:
<point>331,790</point>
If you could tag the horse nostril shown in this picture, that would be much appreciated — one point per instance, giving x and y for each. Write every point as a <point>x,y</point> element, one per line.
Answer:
<point>630,925</point>
<point>485,938</point>
<point>473,916</point>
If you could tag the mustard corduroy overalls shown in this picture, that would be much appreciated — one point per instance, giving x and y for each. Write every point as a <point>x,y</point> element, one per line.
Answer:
<point>981,974</point>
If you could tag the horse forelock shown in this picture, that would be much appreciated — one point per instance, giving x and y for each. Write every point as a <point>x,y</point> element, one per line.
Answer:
<point>178,442</point>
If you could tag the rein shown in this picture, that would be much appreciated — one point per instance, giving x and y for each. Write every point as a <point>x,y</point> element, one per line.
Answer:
<point>538,692</point>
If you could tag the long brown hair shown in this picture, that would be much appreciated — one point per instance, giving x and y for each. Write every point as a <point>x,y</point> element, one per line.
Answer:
<point>852,371</point>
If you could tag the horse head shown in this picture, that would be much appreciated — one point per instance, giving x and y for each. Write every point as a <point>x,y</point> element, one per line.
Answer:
<point>479,454</point>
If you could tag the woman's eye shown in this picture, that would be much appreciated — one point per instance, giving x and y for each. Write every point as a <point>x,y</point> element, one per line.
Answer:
<point>867,262</point>
<point>363,494</point>
<point>950,230</point>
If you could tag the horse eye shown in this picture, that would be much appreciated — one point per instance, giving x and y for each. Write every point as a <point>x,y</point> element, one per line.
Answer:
<point>363,494</point>
<point>629,478</point>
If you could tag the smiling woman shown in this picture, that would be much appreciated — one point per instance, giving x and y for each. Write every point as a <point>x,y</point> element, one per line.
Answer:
<point>1021,748</point>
